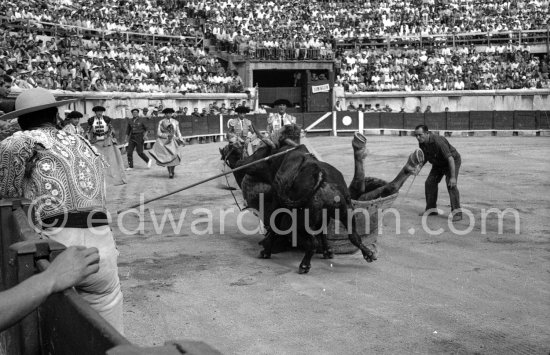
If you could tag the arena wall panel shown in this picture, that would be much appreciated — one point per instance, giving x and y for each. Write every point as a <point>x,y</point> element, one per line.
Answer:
<point>503,120</point>
<point>152,126</point>
<point>522,120</point>
<point>200,126</point>
<point>411,120</point>
<point>372,120</point>
<point>481,120</point>
<point>347,120</point>
<point>544,120</point>
<point>300,118</point>
<point>309,117</point>
<point>391,120</point>
<point>458,121</point>
<point>213,124</point>
<point>186,125</point>
<point>436,121</point>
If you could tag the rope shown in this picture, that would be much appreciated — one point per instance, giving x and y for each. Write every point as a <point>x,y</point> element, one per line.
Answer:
<point>411,184</point>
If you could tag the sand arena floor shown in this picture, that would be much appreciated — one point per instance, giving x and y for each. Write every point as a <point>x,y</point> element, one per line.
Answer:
<point>481,292</point>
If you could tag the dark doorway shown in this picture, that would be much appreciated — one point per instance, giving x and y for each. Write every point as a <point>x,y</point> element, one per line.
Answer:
<point>281,85</point>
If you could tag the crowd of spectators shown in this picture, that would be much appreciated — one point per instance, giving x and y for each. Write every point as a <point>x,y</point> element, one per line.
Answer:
<point>275,29</point>
<point>74,64</point>
<point>246,26</point>
<point>282,29</point>
<point>442,68</point>
<point>141,16</point>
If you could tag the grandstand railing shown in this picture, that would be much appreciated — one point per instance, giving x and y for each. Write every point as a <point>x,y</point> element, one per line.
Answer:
<point>55,29</point>
<point>64,323</point>
<point>261,52</point>
<point>539,36</point>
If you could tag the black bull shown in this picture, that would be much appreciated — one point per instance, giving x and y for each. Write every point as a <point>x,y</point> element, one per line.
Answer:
<point>309,190</point>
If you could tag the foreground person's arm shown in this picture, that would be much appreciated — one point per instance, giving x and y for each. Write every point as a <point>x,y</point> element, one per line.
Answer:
<point>67,270</point>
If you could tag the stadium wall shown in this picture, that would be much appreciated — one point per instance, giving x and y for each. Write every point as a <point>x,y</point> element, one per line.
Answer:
<point>456,101</point>
<point>214,127</point>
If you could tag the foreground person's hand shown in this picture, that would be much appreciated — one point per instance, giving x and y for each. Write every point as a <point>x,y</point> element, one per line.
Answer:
<point>71,267</point>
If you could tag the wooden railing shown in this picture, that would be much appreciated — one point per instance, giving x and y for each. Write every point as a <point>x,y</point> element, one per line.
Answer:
<point>529,37</point>
<point>64,323</point>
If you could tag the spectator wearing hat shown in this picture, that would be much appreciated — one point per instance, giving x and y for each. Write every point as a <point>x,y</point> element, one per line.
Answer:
<point>72,123</point>
<point>64,177</point>
<point>169,139</point>
<point>276,120</point>
<point>102,136</point>
<point>136,131</point>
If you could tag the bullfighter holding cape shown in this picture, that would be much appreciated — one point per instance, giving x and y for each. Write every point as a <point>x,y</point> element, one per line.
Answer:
<point>166,148</point>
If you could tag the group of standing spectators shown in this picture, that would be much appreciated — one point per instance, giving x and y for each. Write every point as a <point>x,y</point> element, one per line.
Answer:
<point>442,68</point>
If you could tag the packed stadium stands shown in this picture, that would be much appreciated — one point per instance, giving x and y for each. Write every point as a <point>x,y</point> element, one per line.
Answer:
<point>246,26</point>
<point>442,68</point>
<point>73,64</point>
<point>132,16</point>
<point>78,45</point>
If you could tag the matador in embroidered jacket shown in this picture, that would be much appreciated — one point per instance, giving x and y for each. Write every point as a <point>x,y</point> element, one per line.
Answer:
<point>276,120</point>
<point>59,171</point>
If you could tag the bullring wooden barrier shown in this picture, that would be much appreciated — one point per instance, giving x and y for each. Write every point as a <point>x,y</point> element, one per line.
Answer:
<point>64,323</point>
<point>214,127</point>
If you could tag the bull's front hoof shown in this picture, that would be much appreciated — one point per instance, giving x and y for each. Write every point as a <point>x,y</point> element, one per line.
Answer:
<point>370,254</point>
<point>370,258</point>
<point>265,255</point>
<point>328,254</point>
<point>304,269</point>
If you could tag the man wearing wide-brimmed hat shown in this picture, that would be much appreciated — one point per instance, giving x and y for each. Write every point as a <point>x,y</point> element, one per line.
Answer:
<point>239,127</point>
<point>72,123</point>
<point>275,121</point>
<point>240,131</point>
<point>63,176</point>
<point>102,135</point>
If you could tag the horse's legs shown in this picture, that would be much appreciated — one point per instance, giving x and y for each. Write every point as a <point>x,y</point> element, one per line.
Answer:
<point>388,189</point>
<point>309,245</point>
<point>395,185</point>
<point>357,186</point>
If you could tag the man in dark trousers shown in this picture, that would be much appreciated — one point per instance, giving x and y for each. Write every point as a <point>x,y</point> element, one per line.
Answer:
<point>446,162</point>
<point>135,136</point>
